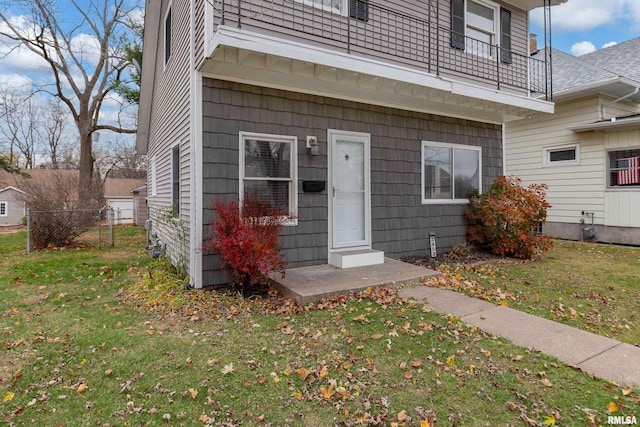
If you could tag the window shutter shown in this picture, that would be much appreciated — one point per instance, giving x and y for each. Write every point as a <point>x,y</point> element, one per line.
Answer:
<point>359,9</point>
<point>505,36</point>
<point>457,24</point>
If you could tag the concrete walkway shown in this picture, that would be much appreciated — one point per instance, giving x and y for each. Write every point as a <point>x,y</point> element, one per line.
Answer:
<point>599,356</point>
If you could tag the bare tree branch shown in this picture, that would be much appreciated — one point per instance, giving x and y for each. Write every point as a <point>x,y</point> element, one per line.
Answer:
<point>81,84</point>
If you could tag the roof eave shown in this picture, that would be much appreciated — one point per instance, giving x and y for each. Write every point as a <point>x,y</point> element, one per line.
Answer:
<point>609,125</point>
<point>592,89</point>
<point>150,49</point>
<point>528,5</point>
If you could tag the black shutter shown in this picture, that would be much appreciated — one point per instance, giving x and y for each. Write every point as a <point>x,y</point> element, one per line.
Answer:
<point>457,24</point>
<point>167,37</point>
<point>359,9</point>
<point>505,36</point>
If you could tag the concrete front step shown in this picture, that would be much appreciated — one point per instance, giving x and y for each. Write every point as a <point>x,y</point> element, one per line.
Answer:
<point>310,284</point>
<point>356,258</point>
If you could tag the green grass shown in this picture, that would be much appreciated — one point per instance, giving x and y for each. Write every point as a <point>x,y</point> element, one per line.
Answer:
<point>96,337</point>
<point>590,286</point>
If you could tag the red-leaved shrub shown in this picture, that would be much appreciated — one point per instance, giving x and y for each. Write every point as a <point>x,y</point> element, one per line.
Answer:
<point>506,216</point>
<point>247,240</point>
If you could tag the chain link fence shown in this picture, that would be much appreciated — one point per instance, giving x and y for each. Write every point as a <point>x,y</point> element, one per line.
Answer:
<point>69,228</point>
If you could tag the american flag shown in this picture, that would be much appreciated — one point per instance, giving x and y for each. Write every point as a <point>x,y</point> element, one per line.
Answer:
<point>629,171</point>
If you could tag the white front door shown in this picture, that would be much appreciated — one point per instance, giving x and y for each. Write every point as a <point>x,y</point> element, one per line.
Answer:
<point>350,201</point>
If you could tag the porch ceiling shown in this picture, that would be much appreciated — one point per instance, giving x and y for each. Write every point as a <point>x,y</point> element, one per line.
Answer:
<point>244,57</point>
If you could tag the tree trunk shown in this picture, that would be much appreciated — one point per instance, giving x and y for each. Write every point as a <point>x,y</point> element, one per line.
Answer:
<point>85,183</point>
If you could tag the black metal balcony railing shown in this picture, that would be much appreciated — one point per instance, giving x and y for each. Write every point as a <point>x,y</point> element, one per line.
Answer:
<point>412,38</point>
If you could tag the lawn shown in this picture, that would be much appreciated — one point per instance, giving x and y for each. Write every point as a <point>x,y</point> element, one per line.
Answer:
<point>594,287</point>
<point>109,337</point>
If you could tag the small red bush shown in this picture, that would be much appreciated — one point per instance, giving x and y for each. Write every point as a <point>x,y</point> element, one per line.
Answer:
<point>247,240</point>
<point>504,218</point>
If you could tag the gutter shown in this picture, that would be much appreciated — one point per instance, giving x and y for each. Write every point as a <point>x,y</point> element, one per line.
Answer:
<point>604,106</point>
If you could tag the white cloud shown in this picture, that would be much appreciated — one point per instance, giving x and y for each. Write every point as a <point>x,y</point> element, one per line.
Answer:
<point>86,48</point>
<point>15,83</point>
<point>582,48</point>
<point>584,15</point>
<point>609,44</point>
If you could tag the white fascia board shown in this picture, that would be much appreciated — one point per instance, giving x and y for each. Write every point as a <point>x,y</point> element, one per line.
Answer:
<point>621,124</point>
<point>528,5</point>
<point>600,87</point>
<point>150,45</point>
<point>12,188</point>
<point>242,39</point>
<point>466,89</point>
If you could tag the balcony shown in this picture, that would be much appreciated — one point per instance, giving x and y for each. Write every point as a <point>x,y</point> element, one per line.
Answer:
<point>413,44</point>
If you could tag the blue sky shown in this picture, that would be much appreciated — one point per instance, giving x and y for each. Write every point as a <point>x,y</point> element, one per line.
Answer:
<point>582,26</point>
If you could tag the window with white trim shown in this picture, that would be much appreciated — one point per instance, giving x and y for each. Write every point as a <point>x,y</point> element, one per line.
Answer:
<point>268,169</point>
<point>153,178</point>
<point>337,6</point>
<point>478,25</point>
<point>358,9</point>
<point>175,180</point>
<point>450,172</point>
<point>562,155</point>
<point>4,209</point>
<point>623,168</point>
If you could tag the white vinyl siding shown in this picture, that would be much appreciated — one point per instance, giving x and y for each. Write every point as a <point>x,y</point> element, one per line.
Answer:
<point>169,124</point>
<point>575,188</point>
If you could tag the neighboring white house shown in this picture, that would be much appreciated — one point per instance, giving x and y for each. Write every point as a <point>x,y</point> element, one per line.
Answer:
<point>12,206</point>
<point>118,195</point>
<point>588,151</point>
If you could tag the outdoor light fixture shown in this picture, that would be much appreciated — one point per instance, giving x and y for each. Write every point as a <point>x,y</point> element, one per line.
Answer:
<point>433,247</point>
<point>313,145</point>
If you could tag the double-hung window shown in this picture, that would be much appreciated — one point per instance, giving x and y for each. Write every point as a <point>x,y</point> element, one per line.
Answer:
<point>623,168</point>
<point>450,172</point>
<point>4,209</point>
<point>358,9</point>
<point>268,170</point>
<point>478,25</point>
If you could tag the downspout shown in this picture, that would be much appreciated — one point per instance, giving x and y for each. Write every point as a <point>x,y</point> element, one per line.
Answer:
<point>604,106</point>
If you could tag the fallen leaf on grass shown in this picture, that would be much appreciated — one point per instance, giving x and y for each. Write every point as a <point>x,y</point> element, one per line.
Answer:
<point>376,336</point>
<point>82,388</point>
<point>612,407</point>
<point>227,369</point>
<point>549,420</point>
<point>545,382</point>
<point>194,393</point>
<point>627,391</point>
<point>402,415</point>
<point>8,397</point>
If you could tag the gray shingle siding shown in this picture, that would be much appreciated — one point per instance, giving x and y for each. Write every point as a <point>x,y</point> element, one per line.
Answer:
<point>399,220</point>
